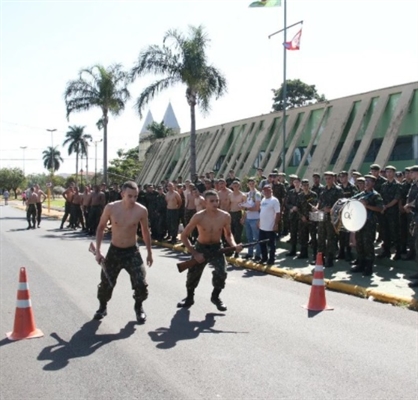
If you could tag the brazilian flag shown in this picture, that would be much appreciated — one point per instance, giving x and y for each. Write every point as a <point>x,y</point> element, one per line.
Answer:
<point>266,3</point>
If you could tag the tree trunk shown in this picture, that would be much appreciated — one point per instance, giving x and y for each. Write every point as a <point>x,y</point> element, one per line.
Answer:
<point>105,120</point>
<point>87,163</point>
<point>76,168</point>
<point>193,139</point>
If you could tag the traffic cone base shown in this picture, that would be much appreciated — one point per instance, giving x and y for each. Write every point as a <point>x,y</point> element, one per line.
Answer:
<point>24,325</point>
<point>317,301</point>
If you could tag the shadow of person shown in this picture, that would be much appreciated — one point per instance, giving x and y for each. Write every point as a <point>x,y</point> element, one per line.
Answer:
<point>181,328</point>
<point>82,344</point>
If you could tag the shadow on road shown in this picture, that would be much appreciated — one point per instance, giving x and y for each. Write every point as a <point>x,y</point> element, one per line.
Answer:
<point>82,344</point>
<point>181,328</point>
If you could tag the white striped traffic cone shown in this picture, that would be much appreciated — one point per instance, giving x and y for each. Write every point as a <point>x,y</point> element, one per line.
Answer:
<point>24,325</point>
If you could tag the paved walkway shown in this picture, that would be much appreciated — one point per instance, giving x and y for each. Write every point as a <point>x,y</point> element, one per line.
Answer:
<point>389,282</point>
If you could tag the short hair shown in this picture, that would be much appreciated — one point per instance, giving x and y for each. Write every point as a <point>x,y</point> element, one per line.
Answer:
<point>130,185</point>
<point>209,193</point>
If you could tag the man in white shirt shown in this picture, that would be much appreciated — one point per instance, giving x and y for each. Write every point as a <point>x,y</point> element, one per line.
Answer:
<point>269,224</point>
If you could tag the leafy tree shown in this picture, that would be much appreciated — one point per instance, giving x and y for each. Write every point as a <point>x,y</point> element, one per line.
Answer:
<point>101,87</point>
<point>76,140</point>
<point>184,62</point>
<point>52,159</point>
<point>43,179</point>
<point>159,131</point>
<point>298,94</point>
<point>126,166</point>
<point>12,179</point>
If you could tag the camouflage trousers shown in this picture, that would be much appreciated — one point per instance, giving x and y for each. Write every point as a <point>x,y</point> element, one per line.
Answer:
<point>217,260</point>
<point>307,229</point>
<point>94,216</point>
<point>173,223</point>
<point>31,214</point>
<point>327,237</point>
<point>390,222</point>
<point>236,226</point>
<point>293,227</point>
<point>365,238</point>
<point>123,258</point>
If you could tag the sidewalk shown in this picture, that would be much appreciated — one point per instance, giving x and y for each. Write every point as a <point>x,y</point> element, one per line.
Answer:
<point>388,284</point>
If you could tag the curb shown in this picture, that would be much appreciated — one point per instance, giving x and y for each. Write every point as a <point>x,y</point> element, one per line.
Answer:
<point>353,290</point>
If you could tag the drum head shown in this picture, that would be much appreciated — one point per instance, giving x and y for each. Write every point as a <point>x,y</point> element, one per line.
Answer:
<point>353,215</point>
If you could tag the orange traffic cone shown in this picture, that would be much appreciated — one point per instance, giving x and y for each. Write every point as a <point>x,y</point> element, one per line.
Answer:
<point>24,326</point>
<point>317,301</point>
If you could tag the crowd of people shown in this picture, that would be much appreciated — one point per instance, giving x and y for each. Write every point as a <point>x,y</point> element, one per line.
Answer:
<point>271,206</point>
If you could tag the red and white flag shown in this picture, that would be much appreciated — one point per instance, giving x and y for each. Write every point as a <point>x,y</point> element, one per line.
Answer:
<point>294,44</point>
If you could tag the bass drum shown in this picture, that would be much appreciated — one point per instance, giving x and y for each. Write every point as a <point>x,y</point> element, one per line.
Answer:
<point>353,215</point>
<point>336,214</point>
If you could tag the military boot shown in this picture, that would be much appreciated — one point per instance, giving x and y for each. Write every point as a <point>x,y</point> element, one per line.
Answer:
<point>341,254</point>
<point>329,261</point>
<point>358,267</point>
<point>303,253</point>
<point>217,301</point>
<point>348,255</point>
<point>188,301</point>
<point>141,317</point>
<point>292,252</point>
<point>368,268</point>
<point>397,255</point>
<point>101,312</point>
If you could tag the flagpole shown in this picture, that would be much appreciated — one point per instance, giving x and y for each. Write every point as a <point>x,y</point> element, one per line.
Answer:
<point>284,93</point>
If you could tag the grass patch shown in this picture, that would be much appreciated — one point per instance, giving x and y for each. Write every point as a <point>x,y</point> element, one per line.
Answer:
<point>56,202</point>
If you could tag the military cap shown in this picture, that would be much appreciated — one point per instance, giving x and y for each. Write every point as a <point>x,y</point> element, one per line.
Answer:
<point>260,169</point>
<point>390,167</point>
<point>372,177</point>
<point>281,174</point>
<point>316,174</point>
<point>272,174</point>
<point>361,179</point>
<point>328,173</point>
<point>414,168</point>
<point>407,169</point>
<point>356,173</point>
<point>375,167</point>
<point>305,181</point>
<point>343,173</point>
<point>267,186</point>
<point>251,179</point>
<point>275,170</point>
<point>293,176</point>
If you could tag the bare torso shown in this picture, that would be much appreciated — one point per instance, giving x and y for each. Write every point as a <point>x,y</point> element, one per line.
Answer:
<point>199,203</point>
<point>190,205</point>
<point>68,195</point>
<point>210,225</point>
<point>77,199</point>
<point>235,199</point>
<point>33,198</point>
<point>125,223</point>
<point>224,203</point>
<point>40,194</point>
<point>98,199</point>
<point>173,200</point>
<point>87,199</point>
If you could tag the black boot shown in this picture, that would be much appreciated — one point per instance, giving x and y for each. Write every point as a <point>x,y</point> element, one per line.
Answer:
<point>141,317</point>
<point>341,254</point>
<point>348,256</point>
<point>101,312</point>
<point>329,263</point>
<point>397,255</point>
<point>359,267</point>
<point>217,301</point>
<point>292,252</point>
<point>368,268</point>
<point>385,253</point>
<point>303,253</point>
<point>188,301</point>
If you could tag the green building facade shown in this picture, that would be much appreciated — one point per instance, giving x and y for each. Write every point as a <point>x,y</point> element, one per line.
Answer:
<point>342,134</point>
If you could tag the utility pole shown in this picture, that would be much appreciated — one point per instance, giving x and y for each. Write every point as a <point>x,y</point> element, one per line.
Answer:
<point>95,159</point>
<point>23,148</point>
<point>52,168</point>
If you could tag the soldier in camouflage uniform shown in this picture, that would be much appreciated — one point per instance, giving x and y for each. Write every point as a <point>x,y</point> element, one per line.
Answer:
<point>349,190</point>
<point>413,191</point>
<point>327,237</point>
<point>285,212</point>
<point>292,207</point>
<point>365,237</point>
<point>403,216</point>
<point>391,194</point>
<point>160,214</point>
<point>153,215</point>
<point>306,199</point>
<point>380,180</point>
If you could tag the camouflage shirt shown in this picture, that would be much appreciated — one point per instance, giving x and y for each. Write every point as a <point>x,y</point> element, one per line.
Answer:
<point>390,191</point>
<point>305,201</point>
<point>412,194</point>
<point>379,183</point>
<point>329,197</point>
<point>372,198</point>
<point>349,191</point>
<point>405,186</point>
<point>317,189</point>
<point>279,191</point>
<point>292,198</point>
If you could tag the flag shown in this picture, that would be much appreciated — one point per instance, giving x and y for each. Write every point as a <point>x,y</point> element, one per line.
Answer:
<point>266,3</point>
<point>294,44</point>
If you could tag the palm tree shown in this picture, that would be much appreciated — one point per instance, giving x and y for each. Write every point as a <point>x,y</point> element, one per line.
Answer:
<point>101,87</point>
<point>185,62</point>
<point>76,140</point>
<point>52,159</point>
<point>159,131</point>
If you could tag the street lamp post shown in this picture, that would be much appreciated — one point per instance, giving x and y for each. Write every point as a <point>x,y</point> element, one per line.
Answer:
<point>95,159</point>
<point>23,148</point>
<point>52,168</point>
<point>81,177</point>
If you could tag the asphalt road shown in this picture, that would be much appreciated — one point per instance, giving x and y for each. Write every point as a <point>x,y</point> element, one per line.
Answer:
<point>266,346</point>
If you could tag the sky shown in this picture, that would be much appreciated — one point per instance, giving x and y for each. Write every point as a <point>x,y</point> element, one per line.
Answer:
<point>347,47</point>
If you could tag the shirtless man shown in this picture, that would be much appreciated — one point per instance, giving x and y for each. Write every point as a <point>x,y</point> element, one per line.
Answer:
<point>97,202</point>
<point>173,200</point>
<point>85,206</point>
<point>190,207</point>
<point>210,223</point>
<point>236,198</point>
<point>40,194</point>
<point>68,196</point>
<point>199,200</point>
<point>224,192</point>
<point>31,210</point>
<point>124,215</point>
<point>77,216</point>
